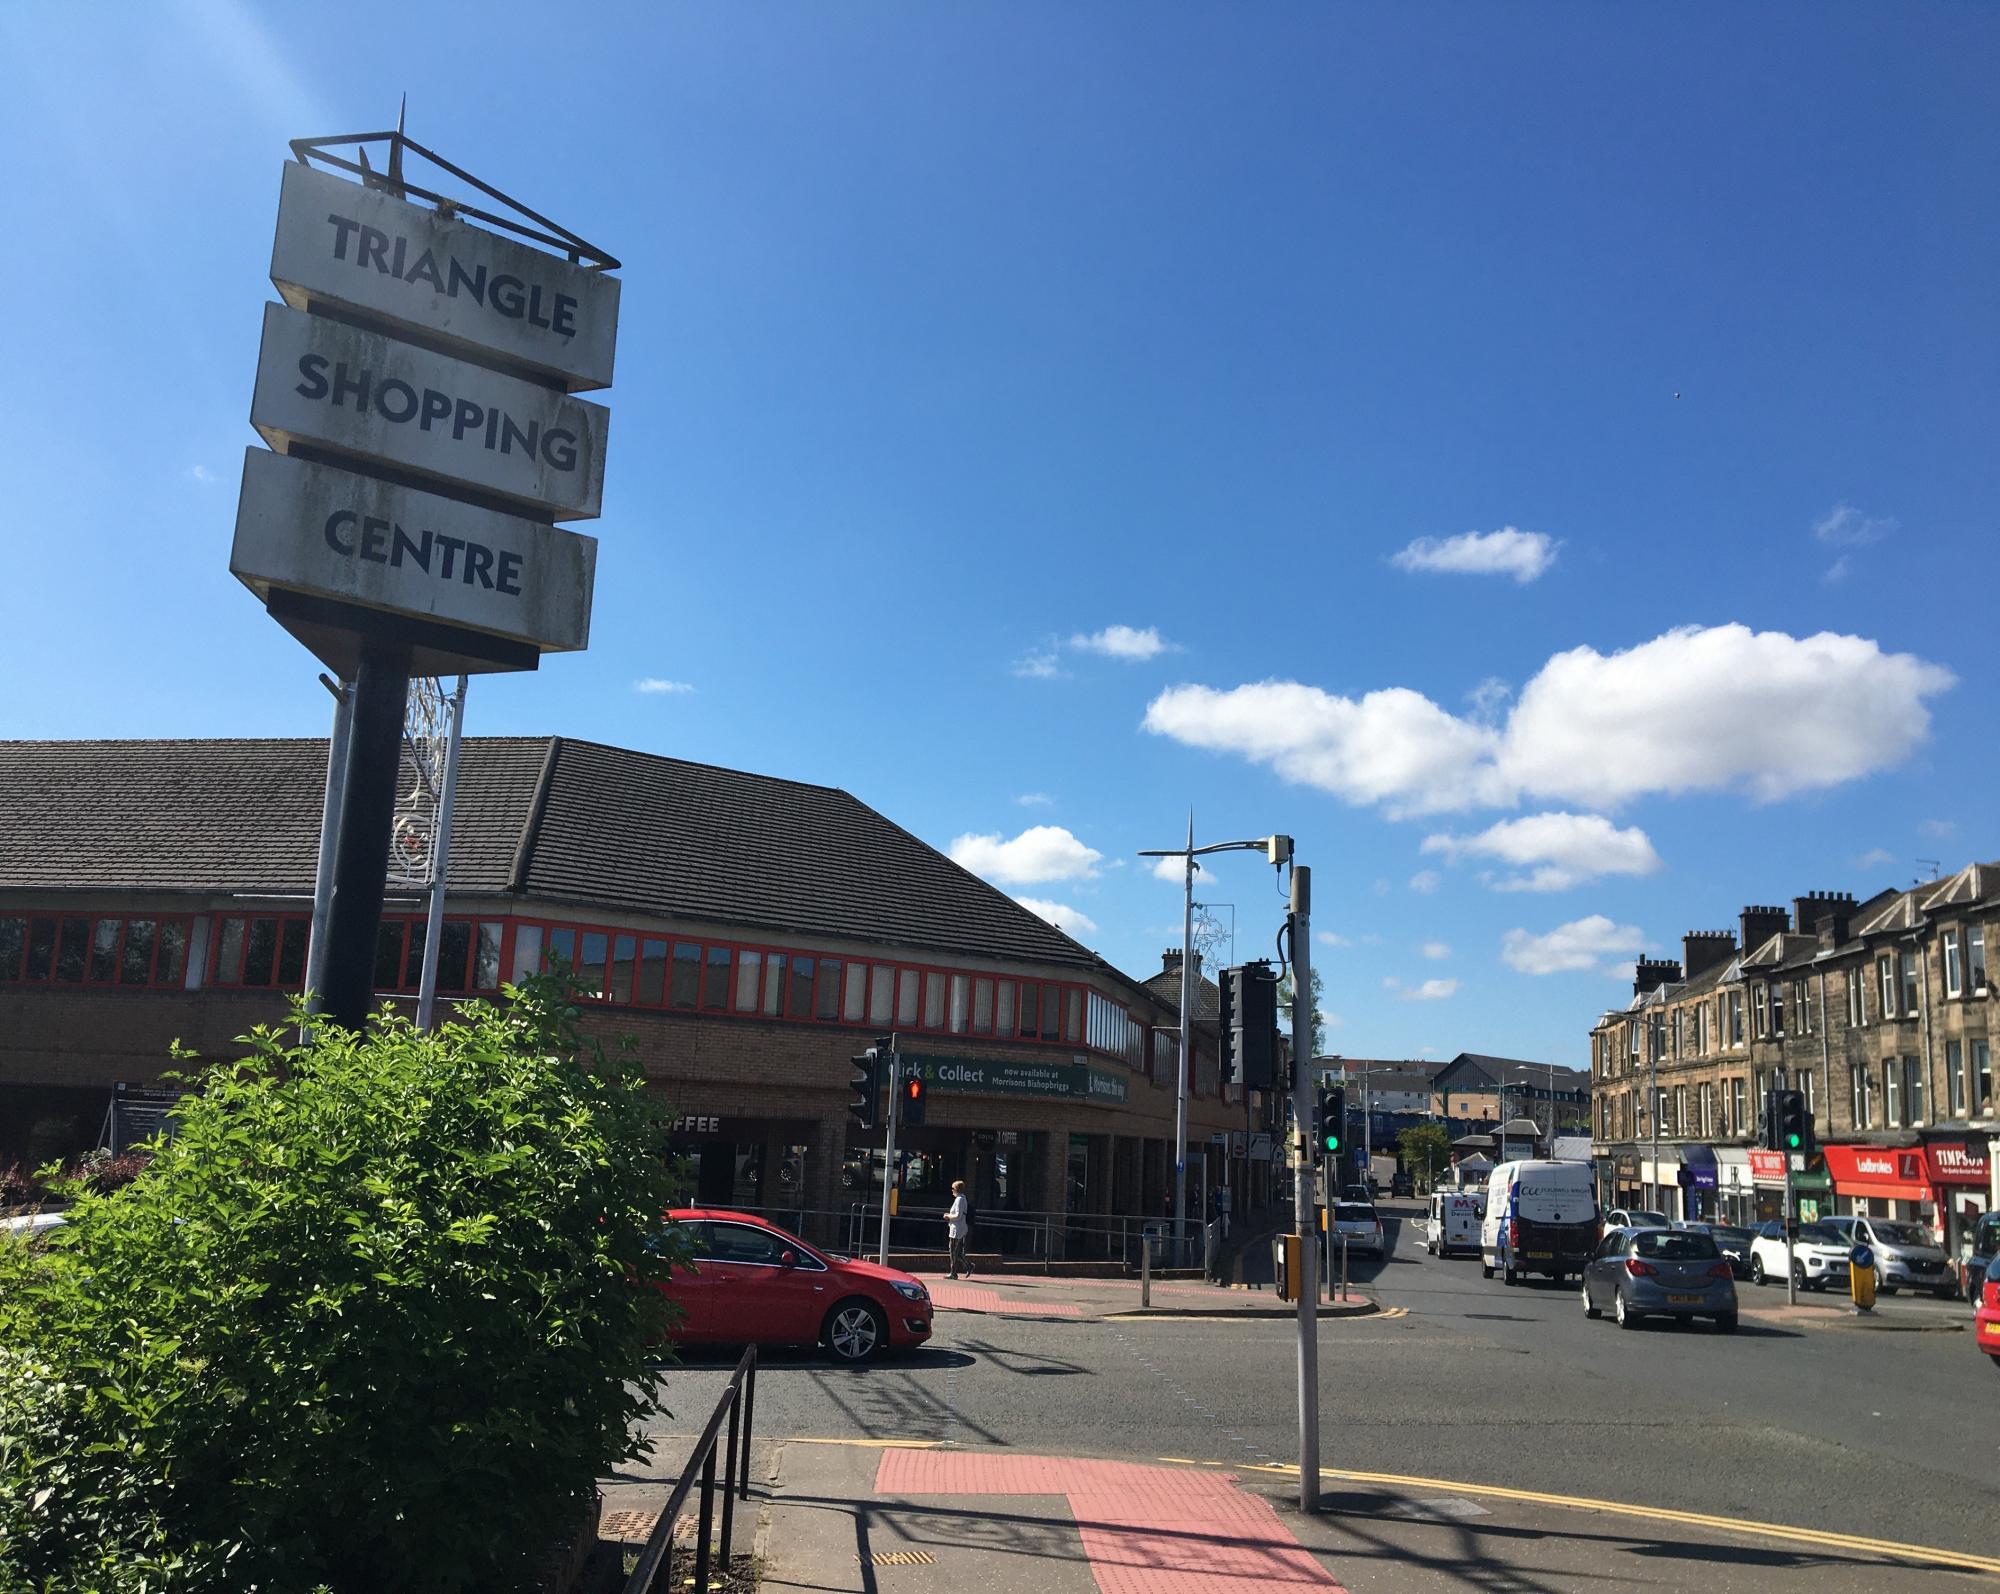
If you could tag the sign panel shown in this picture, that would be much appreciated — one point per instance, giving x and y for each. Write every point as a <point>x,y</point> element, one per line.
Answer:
<point>318,529</point>
<point>1010,1078</point>
<point>326,383</point>
<point>340,243</point>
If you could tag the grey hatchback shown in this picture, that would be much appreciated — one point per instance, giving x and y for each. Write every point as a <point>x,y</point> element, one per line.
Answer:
<point>1639,1273</point>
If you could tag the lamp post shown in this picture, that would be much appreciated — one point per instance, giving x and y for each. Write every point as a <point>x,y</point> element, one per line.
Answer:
<point>1189,853</point>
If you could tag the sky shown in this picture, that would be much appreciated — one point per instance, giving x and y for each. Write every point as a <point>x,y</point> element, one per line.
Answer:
<point>1541,458</point>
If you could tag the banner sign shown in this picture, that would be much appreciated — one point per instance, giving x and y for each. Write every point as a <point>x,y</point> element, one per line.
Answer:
<point>344,244</point>
<point>327,383</point>
<point>1011,1078</point>
<point>318,529</point>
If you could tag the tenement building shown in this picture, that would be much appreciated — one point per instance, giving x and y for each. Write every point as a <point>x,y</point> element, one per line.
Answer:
<point>1878,1012</point>
<point>749,934</point>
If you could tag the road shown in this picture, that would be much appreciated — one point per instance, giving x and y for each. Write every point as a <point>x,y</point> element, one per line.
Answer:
<point>1798,1419</point>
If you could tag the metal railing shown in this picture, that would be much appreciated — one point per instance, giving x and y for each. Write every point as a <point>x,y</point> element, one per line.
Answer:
<point>1028,1236</point>
<point>739,1405</point>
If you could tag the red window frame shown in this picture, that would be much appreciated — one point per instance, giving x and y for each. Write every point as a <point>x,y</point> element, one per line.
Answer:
<point>17,975</point>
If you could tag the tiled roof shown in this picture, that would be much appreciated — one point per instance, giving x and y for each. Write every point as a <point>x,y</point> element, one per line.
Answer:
<point>1974,883</point>
<point>1166,985</point>
<point>544,817</point>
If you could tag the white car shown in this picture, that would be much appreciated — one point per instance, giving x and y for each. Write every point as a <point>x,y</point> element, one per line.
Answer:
<point>1819,1255</point>
<point>1358,1225</point>
<point>1906,1256</point>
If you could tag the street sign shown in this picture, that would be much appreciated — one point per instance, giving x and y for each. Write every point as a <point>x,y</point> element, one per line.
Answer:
<point>340,243</point>
<point>332,385</point>
<point>332,533</point>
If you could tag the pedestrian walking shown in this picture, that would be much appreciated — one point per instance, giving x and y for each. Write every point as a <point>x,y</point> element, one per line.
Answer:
<point>957,1228</point>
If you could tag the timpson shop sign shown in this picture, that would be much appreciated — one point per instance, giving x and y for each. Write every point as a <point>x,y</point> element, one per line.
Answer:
<point>416,390</point>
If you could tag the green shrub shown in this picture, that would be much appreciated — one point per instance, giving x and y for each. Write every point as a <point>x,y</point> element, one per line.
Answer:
<point>374,1317</point>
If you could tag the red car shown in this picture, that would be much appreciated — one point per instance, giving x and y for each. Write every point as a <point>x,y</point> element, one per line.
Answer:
<point>754,1283</point>
<point>1986,1320</point>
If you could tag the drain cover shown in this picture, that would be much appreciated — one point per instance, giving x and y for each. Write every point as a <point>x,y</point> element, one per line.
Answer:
<point>628,1527</point>
<point>901,1558</point>
<point>1445,1509</point>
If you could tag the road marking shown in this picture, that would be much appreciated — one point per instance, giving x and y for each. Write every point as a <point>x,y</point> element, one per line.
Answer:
<point>1577,1502</point>
<point>868,1444</point>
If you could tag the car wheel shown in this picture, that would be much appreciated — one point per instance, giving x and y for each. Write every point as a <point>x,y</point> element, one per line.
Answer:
<point>1887,1289</point>
<point>1588,1310</point>
<point>1799,1275</point>
<point>1757,1271</point>
<point>1944,1292</point>
<point>1509,1276</point>
<point>1626,1318</point>
<point>1726,1323</point>
<point>855,1330</point>
<point>1485,1268</point>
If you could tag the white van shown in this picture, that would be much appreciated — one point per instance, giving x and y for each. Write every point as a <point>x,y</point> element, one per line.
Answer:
<point>1541,1217</point>
<point>1454,1224</point>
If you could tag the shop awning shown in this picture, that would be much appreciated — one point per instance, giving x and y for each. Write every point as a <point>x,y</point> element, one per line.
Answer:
<point>1889,1173</point>
<point>1698,1169</point>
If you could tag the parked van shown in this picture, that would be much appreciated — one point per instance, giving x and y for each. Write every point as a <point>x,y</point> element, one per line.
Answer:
<point>1541,1217</point>
<point>1454,1222</point>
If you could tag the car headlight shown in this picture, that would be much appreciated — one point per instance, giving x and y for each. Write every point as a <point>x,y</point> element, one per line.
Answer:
<point>911,1292</point>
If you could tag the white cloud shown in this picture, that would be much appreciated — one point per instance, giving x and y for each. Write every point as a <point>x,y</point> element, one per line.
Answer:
<point>653,685</point>
<point>1844,526</point>
<point>1427,991</point>
<point>202,474</point>
<point>1576,945</point>
<point>1558,850</point>
<point>1038,664</point>
<point>1065,918</point>
<point>1436,951</point>
<point>1488,698</point>
<point>1938,829</point>
<point>1034,799</point>
<point>1125,642</point>
<point>1332,938</point>
<point>1173,869</point>
<point>1426,881</point>
<point>1715,709</point>
<point>1874,858</point>
<point>1041,852</point>
<point>1621,972</point>
<point>1838,571</point>
<point>1524,555</point>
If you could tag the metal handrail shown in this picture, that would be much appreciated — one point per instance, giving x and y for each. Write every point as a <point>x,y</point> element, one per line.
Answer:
<point>739,1401</point>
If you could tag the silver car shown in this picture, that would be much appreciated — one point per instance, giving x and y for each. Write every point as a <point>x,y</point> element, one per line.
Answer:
<point>1906,1256</point>
<point>1358,1225</point>
<point>1651,1272</point>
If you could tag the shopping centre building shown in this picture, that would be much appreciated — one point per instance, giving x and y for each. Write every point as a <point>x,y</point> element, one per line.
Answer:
<point>749,934</point>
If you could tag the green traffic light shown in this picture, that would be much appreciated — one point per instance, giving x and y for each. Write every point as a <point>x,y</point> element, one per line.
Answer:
<point>1792,1141</point>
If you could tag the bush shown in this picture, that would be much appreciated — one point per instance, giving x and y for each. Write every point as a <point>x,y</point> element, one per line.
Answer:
<point>375,1317</point>
<point>19,1187</point>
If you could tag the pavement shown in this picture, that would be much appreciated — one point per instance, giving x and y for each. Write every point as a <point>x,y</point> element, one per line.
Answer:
<point>1474,1437</point>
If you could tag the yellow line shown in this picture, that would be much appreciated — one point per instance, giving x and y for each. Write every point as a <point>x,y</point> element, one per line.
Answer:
<point>1769,1530</point>
<point>868,1444</point>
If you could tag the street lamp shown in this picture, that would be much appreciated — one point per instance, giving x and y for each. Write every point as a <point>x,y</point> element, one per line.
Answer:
<point>1270,845</point>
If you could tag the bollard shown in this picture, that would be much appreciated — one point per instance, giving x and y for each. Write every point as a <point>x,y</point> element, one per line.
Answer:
<point>1861,1278</point>
<point>1145,1270</point>
<point>1343,1270</point>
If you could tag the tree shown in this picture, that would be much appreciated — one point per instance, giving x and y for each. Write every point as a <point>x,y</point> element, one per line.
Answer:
<point>375,1317</point>
<point>1425,1151</point>
<point>1319,1016</point>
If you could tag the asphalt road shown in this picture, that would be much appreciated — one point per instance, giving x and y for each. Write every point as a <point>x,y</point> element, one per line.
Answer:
<point>1813,1424</point>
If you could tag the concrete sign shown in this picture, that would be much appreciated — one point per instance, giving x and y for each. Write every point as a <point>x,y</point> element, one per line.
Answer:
<point>340,243</point>
<point>334,534</point>
<point>324,382</point>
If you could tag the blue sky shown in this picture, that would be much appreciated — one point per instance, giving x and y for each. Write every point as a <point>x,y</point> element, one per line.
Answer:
<point>955,337</point>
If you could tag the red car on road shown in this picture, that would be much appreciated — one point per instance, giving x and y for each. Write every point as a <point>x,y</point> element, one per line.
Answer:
<point>1986,1319</point>
<point>753,1283</point>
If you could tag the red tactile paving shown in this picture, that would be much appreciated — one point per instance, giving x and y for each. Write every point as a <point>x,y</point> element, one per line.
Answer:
<point>969,1298</point>
<point>1144,1530</point>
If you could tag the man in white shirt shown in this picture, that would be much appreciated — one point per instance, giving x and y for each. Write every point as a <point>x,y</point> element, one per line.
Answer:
<point>958,1225</point>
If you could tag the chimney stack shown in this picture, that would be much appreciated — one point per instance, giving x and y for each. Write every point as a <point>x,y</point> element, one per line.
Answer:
<point>1170,962</point>
<point>1650,973</point>
<point>1702,950</point>
<point>1760,924</point>
<point>1818,911</point>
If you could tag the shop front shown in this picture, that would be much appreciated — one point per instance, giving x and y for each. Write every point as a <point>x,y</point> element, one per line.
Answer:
<point>1700,1181</point>
<point>746,1164</point>
<point>1736,1193</point>
<point>1961,1181</point>
<point>1943,1184</point>
<point>1812,1190</point>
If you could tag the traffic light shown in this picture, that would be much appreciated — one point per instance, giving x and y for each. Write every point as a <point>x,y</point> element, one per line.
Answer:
<point>1249,1015</point>
<point>912,1089</point>
<point>1225,986</point>
<point>1330,1132</point>
<point>1794,1123</point>
<point>867,1087</point>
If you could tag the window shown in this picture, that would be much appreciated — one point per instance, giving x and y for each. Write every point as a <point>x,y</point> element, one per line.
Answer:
<point>749,970</point>
<point>486,956</point>
<point>1778,1007</point>
<point>1739,1106</point>
<point>1806,1089</point>
<point>652,987</point>
<point>982,1007</point>
<point>1632,1039</point>
<point>827,989</point>
<point>684,985</point>
<point>906,998</point>
<point>1707,1101</point>
<point>715,980</point>
<point>882,995</point>
<point>1857,998</point>
<point>1975,957</point>
<point>1892,1094</point>
<point>592,959</point>
<point>854,1004</point>
<point>1735,1018</point>
<point>127,952</point>
<point>774,985</point>
<point>1003,1015</point>
<point>1913,1091</point>
<point>1887,973</point>
<point>1954,983</point>
<point>624,961</point>
<point>1954,1077</point>
<point>1680,1126</point>
<point>799,1000</point>
<point>1701,1030</point>
<point>1760,1009</point>
<point>933,1001</point>
<point>270,951</point>
<point>1802,1005</point>
<point>961,1003</point>
<point>1909,960</point>
<point>1859,1075</point>
<point>1982,1078</point>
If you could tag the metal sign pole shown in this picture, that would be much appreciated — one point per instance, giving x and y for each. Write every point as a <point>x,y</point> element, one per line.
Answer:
<point>367,817</point>
<point>889,1153</point>
<point>440,862</point>
<point>329,829</point>
<point>1791,1265</point>
<point>1307,1292</point>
